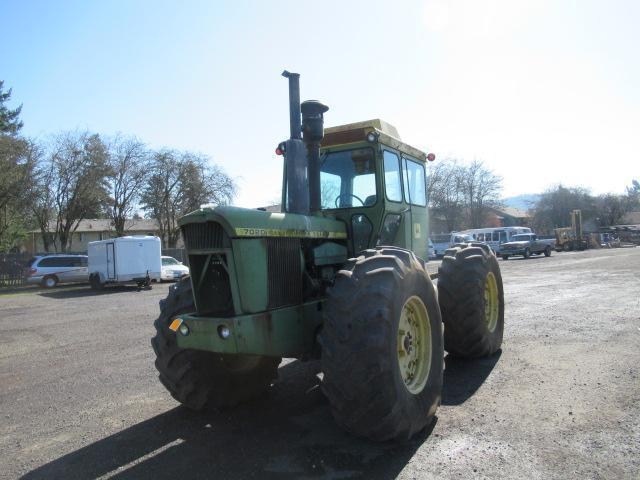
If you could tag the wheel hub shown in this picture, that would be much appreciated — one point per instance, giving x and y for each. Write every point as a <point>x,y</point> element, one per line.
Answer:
<point>408,343</point>
<point>414,345</point>
<point>491,301</point>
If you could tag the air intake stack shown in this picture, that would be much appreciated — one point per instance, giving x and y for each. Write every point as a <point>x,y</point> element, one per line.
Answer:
<point>302,151</point>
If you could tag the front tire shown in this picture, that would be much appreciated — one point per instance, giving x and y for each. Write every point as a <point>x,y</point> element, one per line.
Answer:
<point>50,281</point>
<point>471,301</point>
<point>200,379</point>
<point>527,253</point>
<point>382,347</point>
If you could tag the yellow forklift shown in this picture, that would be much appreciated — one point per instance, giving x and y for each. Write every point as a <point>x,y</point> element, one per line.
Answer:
<point>571,238</point>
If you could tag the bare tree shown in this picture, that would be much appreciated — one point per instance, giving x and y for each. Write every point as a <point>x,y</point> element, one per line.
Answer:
<point>445,192</point>
<point>330,192</point>
<point>611,209</point>
<point>481,190</point>
<point>129,163</point>
<point>553,208</point>
<point>179,183</point>
<point>75,174</point>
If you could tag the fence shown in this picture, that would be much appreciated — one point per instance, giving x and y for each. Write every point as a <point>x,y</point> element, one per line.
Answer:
<point>12,267</point>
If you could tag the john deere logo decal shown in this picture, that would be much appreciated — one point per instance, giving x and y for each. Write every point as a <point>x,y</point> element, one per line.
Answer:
<point>276,232</point>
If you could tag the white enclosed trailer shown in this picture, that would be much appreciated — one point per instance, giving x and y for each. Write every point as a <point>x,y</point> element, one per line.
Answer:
<point>125,260</point>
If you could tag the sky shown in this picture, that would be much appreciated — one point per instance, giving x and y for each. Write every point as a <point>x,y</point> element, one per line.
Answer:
<point>543,91</point>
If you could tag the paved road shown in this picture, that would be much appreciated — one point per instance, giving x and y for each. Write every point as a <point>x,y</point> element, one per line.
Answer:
<point>79,396</point>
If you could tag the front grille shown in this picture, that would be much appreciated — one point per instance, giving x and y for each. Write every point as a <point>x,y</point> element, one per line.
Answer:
<point>211,286</point>
<point>284,271</point>
<point>200,236</point>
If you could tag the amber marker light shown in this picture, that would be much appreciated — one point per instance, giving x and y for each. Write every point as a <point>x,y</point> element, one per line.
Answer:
<point>175,325</point>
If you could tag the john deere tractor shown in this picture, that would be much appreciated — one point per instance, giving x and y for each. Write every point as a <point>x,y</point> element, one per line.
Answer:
<point>338,275</point>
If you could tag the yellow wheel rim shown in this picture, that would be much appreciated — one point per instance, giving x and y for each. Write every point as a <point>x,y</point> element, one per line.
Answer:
<point>414,345</point>
<point>491,302</point>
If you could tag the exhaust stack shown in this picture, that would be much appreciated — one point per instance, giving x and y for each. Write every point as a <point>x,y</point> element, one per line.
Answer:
<point>302,151</point>
<point>294,104</point>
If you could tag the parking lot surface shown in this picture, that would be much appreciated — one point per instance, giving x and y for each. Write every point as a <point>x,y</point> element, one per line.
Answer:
<point>79,397</point>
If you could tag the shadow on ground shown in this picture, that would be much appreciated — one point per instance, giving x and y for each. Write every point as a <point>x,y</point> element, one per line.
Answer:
<point>287,434</point>
<point>463,377</point>
<point>532,257</point>
<point>62,293</point>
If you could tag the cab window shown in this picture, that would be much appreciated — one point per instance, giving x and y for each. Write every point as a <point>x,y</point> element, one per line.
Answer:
<point>393,186</point>
<point>348,179</point>
<point>415,183</point>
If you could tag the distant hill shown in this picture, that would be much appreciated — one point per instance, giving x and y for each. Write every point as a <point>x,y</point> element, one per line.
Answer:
<point>522,202</point>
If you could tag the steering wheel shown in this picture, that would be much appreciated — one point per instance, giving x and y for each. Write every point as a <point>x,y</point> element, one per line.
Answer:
<point>347,195</point>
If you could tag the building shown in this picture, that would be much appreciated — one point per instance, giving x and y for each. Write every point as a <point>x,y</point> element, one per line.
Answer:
<point>90,230</point>
<point>507,217</point>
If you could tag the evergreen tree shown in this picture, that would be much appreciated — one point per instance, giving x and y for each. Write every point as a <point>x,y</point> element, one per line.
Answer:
<point>10,124</point>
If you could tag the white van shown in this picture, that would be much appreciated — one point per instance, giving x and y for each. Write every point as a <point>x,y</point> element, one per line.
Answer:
<point>494,237</point>
<point>50,270</point>
<point>125,260</point>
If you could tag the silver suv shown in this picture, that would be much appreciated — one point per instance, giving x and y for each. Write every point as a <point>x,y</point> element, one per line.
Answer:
<point>50,270</point>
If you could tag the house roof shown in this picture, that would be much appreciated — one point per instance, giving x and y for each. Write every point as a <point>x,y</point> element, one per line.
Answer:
<point>106,225</point>
<point>511,212</point>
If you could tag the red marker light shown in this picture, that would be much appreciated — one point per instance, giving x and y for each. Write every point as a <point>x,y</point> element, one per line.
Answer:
<point>278,151</point>
<point>431,157</point>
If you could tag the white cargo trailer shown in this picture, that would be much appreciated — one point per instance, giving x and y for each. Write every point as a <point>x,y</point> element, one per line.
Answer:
<point>124,260</point>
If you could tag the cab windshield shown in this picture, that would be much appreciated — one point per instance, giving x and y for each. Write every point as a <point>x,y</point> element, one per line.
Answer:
<point>348,179</point>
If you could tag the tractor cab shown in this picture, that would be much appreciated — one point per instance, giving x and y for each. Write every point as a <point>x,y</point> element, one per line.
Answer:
<point>376,185</point>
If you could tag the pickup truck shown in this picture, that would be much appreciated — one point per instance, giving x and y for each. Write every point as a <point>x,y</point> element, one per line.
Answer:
<point>526,244</point>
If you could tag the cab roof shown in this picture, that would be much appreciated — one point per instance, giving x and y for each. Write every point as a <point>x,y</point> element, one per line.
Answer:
<point>357,132</point>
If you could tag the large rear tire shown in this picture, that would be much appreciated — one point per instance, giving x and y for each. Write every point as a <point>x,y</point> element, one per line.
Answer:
<point>471,300</point>
<point>200,379</point>
<point>382,350</point>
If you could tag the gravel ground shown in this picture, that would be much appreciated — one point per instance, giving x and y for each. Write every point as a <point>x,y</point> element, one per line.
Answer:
<point>79,396</point>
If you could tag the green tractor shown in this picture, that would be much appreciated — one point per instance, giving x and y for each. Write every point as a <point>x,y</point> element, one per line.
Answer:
<point>339,275</point>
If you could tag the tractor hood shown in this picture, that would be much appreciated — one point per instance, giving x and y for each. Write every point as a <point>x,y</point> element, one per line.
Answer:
<point>250,223</point>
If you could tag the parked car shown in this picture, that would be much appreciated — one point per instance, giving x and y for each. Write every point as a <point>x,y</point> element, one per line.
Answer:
<point>526,244</point>
<point>51,270</point>
<point>172,269</point>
